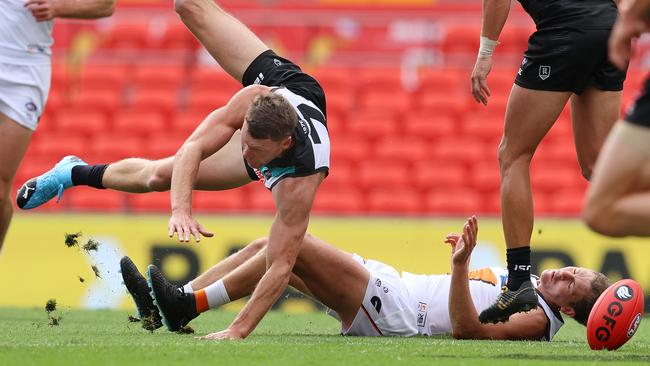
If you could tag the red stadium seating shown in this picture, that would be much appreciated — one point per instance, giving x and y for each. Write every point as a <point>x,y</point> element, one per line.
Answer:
<point>348,200</point>
<point>61,144</point>
<point>261,199</point>
<point>161,78</point>
<point>97,77</point>
<point>81,121</point>
<point>139,122</point>
<point>104,101</point>
<point>462,38</point>
<point>127,36</point>
<point>457,201</point>
<point>163,144</point>
<point>439,174</point>
<point>568,202</point>
<point>184,123</point>
<point>150,202</point>
<point>220,201</point>
<point>430,125</point>
<point>351,148</point>
<point>90,199</point>
<point>372,124</point>
<point>462,150</point>
<point>401,150</point>
<point>384,200</point>
<point>387,174</point>
<point>208,100</point>
<point>392,101</point>
<point>163,101</point>
<point>112,147</point>
<point>176,36</point>
<point>212,79</point>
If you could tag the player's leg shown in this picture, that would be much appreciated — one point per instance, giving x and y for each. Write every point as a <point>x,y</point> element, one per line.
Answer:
<point>618,200</point>
<point>223,170</point>
<point>529,116</point>
<point>593,113</point>
<point>230,42</point>
<point>14,140</point>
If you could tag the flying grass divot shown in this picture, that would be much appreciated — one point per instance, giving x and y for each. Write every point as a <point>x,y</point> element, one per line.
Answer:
<point>50,307</point>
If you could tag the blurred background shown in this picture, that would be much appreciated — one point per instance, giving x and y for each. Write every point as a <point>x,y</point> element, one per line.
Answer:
<point>412,152</point>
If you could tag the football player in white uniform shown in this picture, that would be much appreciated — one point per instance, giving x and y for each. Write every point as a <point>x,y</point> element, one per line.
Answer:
<point>370,298</point>
<point>25,49</point>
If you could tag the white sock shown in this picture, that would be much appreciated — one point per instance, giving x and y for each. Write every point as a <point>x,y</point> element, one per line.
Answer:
<point>187,289</point>
<point>217,294</point>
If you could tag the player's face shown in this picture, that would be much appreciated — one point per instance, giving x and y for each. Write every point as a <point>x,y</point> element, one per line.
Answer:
<point>566,286</point>
<point>259,152</point>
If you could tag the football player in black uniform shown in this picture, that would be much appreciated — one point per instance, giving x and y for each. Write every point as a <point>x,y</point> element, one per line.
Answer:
<point>566,61</point>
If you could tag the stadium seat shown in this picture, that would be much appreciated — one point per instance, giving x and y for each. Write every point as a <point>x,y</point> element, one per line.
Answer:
<point>553,178</point>
<point>56,101</point>
<point>127,36</point>
<point>163,101</point>
<point>337,201</point>
<point>212,79</point>
<point>342,176</point>
<point>342,102</point>
<point>371,124</point>
<point>139,122</point>
<point>394,201</point>
<point>447,80</point>
<point>334,79</point>
<point>186,122</point>
<point>163,144</point>
<point>107,77</point>
<point>161,78</point>
<point>350,148</point>
<point>91,199</point>
<point>461,38</point>
<point>176,36</point>
<point>232,200</point>
<point>485,176</point>
<point>60,78</point>
<point>81,121</point>
<point>386,174</point>
<point>112,147</point>
<point>429,125</point>
<point>461,150</point>
<point>453,104</point>
<point>261,200</point>
<point>454,201</point>
<point>61,144</point>
<point>432,174</point>
<point>401,150</point>
<point>394,101</point>
<point>371,78</point>
<point>150,202</point>
<point>487,127</point>
<point>208,100</point>
<point>105,101</point>
<point>567,202</point>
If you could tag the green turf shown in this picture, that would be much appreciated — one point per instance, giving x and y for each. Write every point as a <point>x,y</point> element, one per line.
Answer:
<point>107,338</point>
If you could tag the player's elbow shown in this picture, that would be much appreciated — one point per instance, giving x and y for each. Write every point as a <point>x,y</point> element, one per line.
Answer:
<point>109,8</point>
<point>186,8</point>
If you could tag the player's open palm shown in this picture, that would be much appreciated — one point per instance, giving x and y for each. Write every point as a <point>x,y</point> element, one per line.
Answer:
<point>463,245</point>
<point>226,334</point>
<point>480,90</point>
<point>184,225</point>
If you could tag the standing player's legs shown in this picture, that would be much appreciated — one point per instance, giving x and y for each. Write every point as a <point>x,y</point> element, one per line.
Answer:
<point>14,140</point>
<point>230,42</point>
<point>529,116</point>
<point>593,113</point>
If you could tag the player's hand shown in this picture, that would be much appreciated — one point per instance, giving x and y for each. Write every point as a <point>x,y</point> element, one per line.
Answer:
<point>480,90</point>
<point>463,245</point>
<point>42,10</point>
<point>227,334</point>
<point>184,225</point>
<point>628,27</point>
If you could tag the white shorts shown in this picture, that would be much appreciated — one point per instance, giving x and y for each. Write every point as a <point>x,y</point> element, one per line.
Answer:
<point>23,92</point>
<point>386,309</point>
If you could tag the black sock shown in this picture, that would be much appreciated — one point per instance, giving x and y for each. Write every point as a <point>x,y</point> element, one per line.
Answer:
<point>89,175</point>
<point>518,266</point>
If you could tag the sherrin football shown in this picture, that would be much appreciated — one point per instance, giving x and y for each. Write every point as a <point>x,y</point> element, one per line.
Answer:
<point>616,315</point>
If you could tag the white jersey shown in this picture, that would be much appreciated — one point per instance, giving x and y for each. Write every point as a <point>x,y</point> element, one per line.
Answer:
<point>430,298</point>
<point>23,40</point>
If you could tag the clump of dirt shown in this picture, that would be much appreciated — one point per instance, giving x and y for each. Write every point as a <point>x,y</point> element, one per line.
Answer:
<point>91,245</point>
<point>96,271</point>
<point>81,279</point>
<point>185,330</point>
<point>133,319</point>
<point>71,239</point>
<point>149,323</point>
<point>50,306</point>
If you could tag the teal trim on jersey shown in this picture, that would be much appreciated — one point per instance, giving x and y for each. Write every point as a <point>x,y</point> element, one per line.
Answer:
<point>278,172</point>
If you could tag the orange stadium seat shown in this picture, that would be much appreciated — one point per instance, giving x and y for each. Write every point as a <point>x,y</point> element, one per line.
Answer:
<point>206,79</point>
<point>110,77</point>
<point>394,101</point>
<point>554,177</point>
<point>386,173</point>
<point>341,176</point>
<point>485,175</point>
<point>443,80</point>
<point>61,144</point>
<point>462,150</point>
<point>161,78</point>
<point>386,200</point>
<point>429,125</point>
<point>486,127</point>
<point>112,147</point>
<point>461,38</point>
<point>219,201</point>
<point>90,199</point>
<point>370,78</point>
<point>82,121</point>
<point>453,104</point>
<point>340,101</point>
<point>334,79</point>
<point>184,123</point>
<point>104,101</point>
<point>372,124</point>
<point>207,101</point>
<point>150,202</point>
<point>164,101</point>
<point>432,174</point>
<point>139,122</point>
<point>350,148</point>
<point>338,201</point>
<point>176,36</point>
<point>456,201</point>
<point>127,36</point>
<point>401,150</point>
<point>163,144</point>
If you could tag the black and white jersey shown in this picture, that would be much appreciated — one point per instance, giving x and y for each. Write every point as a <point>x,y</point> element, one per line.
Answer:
<point>311,150</point>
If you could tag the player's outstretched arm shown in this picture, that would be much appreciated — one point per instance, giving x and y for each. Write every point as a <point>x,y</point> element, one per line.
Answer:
<point>44,10</point>
<point>293,198</point>
<point>462,312</point>
<point>633,21</point>
<point>495,13</point>
<point>211,135</point>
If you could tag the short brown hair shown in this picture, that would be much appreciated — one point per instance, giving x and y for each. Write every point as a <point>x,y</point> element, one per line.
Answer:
<point>270,116</point>
<point>583,307</point>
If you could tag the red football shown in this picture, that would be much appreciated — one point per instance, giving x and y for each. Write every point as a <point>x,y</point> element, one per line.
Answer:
<point>615,316</point>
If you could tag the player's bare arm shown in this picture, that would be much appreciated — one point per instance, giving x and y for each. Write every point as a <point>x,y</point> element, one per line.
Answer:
<point>44,10</point>
<point>634,20</point>
<point>462,312</point>
<point>211,135</point>
<point>293,198</point>
<point>495,13</point>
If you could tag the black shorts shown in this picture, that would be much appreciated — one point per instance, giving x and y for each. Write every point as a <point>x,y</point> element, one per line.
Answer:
<point>569,59</point>
<point>272,70</point>
<point>639,113</point>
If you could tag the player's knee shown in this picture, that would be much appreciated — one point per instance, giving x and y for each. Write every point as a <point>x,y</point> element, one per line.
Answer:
<point>601,219</point>
<point>508,156</point>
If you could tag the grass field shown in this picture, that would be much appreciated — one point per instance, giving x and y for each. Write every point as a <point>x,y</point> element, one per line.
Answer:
<point>107,338</point>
